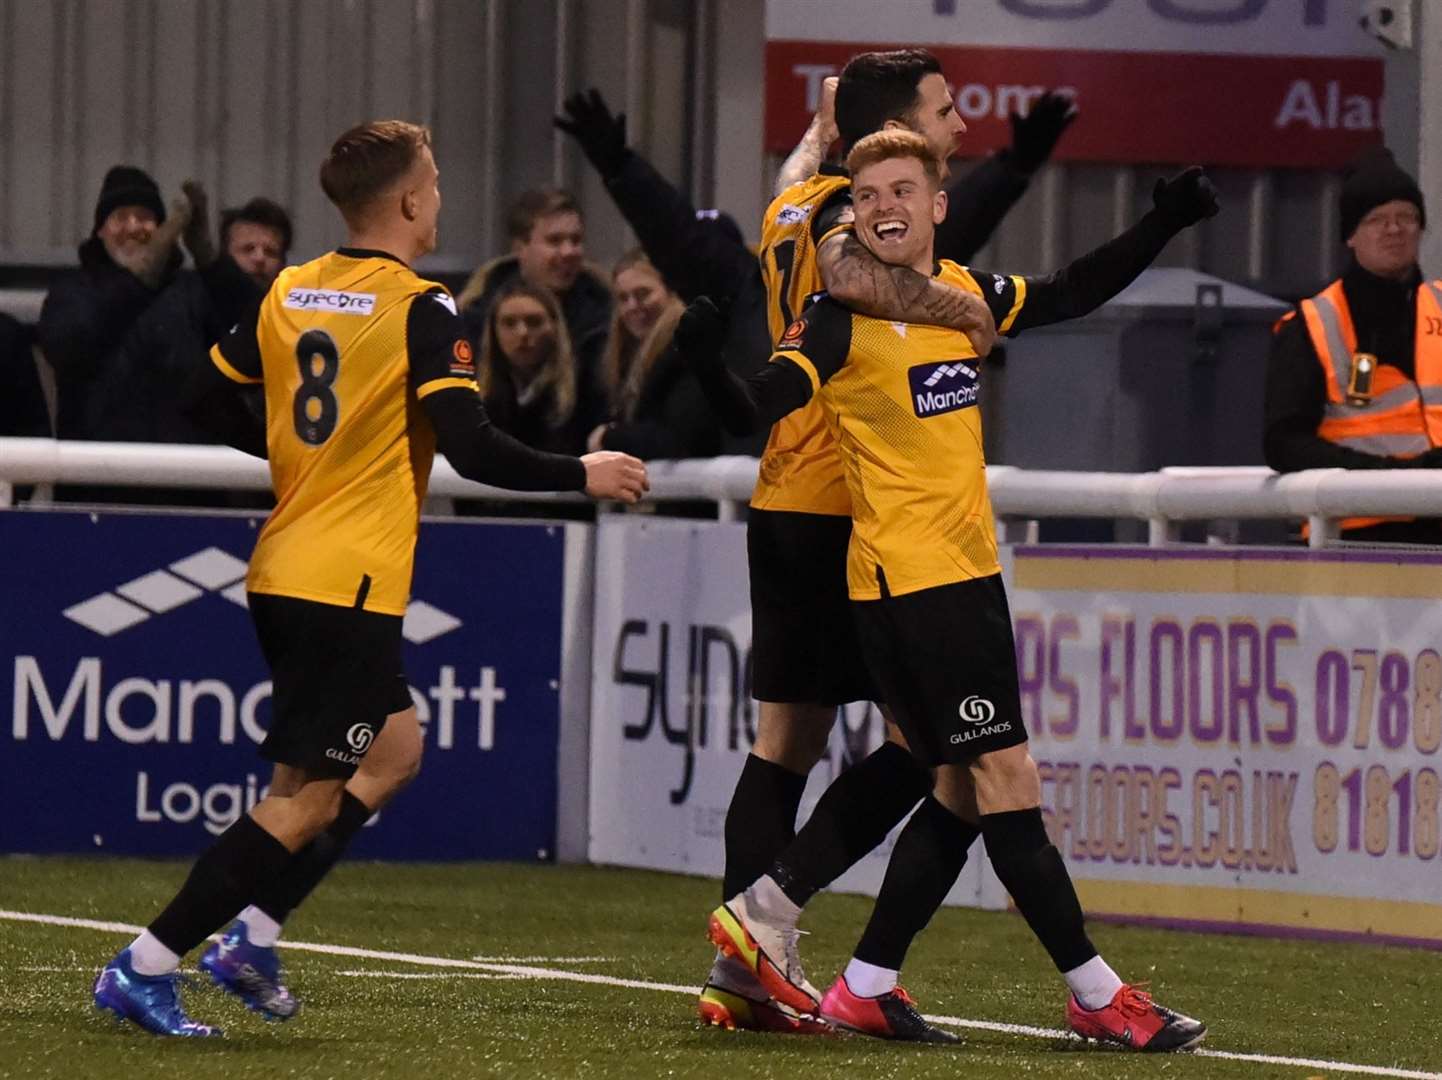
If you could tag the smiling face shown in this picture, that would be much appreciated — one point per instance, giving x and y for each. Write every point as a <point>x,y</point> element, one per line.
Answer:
<point>1387,239</point>
<point>898,206</point>
<point>641,296</point>
<point>126,231</point>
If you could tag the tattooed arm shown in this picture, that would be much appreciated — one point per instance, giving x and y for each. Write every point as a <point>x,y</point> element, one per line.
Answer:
<point>856,278</point>
<point>810,152</point>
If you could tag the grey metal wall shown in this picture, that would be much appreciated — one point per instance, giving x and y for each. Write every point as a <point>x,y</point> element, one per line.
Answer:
<point>245,95</point>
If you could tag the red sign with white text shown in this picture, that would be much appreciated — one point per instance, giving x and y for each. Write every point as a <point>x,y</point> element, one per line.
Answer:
<point>1136,107</point>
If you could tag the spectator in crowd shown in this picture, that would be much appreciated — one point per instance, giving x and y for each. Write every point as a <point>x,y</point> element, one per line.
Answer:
<point>23,412</point>
<point>527,371</point>
<point>657,410</point>
<point>1354,378</point>
<point>139,393</point>
<point>129,257</point>
<point>702,253</point>
<point>548,249</point>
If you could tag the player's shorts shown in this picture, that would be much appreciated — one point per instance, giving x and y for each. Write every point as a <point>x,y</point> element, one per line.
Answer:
<point>945,660</point>
<point>804,648</point>
<point>336,675</point>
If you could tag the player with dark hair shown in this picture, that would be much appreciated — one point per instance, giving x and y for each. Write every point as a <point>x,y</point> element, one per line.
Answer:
<point>807,657</point>
<point>931,615</point>
<point>366,372</point>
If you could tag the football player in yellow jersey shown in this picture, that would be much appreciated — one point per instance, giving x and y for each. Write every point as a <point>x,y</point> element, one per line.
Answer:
<point>366,371</point>
<point>806,653</point>
<point>927,596</point>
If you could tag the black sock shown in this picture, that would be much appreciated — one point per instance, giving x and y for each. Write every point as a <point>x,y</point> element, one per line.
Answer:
<point>283,893</point>
<point>760,821</point>
<point>925,864</point>
<point>221,882</point>
<point>856,812</point>
<point>1033,872</point>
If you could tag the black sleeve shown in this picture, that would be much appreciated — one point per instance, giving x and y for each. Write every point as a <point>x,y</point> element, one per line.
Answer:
<point>1295,397</point>
<point>695,255</point>
<point>85,315</point>
<point>817,343</point>
<point>444,378</point>
<point>976,203</point>
<point>237,353</point>
<point>835,211</point>
<point>673,421</point>
<point>217,404</point>
<point>231,292</point>
<point>1081,287</point>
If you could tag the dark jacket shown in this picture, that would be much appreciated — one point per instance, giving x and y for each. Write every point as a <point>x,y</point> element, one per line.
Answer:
<point>138,395</point>
<point>673,418</point>
<point>1384,314</point>
<point>531,424</point>
<point>23,413</point>
<point>82,324</point>
<point>587,310</point>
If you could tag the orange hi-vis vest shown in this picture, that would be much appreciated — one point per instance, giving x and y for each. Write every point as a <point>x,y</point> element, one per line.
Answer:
<point>1401,417</point>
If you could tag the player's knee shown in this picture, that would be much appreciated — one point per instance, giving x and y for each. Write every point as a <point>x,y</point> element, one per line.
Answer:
<point>793,736</point>
<point>1006,780</point>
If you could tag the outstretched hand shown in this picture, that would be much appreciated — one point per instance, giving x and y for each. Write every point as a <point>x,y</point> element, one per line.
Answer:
<point>613,475</point>
<point>1187,198</point>
<point>602,135</point>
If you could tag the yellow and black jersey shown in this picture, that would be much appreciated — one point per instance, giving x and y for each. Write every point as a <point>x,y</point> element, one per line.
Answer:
<point>901,402</point>
<point>800,470</point>
<point>347,346</point>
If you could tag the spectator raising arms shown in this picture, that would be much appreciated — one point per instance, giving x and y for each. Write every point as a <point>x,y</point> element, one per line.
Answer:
<point>527,371</point>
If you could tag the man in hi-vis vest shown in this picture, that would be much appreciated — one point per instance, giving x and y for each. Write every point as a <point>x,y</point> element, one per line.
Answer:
<point>1354,380</point>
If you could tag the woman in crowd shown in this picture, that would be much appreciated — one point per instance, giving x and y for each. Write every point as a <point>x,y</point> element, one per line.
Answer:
<point>527,371</point>
<point>657,408</point>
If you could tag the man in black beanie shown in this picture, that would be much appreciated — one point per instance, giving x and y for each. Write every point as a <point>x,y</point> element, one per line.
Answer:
<point>1354,379</point>
<point>128,258</point>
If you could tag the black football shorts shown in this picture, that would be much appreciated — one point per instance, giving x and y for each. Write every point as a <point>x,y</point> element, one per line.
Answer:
<point>945,660</point>
<point>336,675</point>
<point>804,648</point>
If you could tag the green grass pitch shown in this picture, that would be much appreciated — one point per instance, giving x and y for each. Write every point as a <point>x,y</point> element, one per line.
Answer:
<point>1346,1004</point>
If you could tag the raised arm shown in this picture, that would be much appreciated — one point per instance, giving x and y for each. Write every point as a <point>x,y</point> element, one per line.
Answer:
<point>979,199</point>
<point>1084,285</point>
<point>695,255</point>
<point>810,152</point>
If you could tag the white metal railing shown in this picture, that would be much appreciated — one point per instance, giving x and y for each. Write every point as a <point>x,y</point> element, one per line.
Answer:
<point>1162,499</point>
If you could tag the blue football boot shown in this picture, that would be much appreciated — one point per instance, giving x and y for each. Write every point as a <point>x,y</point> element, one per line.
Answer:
<point>250,972</point>
<point>148,1000</point>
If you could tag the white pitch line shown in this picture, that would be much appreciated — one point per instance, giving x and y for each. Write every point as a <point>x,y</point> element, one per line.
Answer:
<point>545,959</point>
<point>526,971</point>
<point>427,975</point>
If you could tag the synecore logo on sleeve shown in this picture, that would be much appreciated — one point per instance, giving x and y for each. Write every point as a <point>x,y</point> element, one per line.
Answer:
<point>942,387</point>
<point>332,300</point>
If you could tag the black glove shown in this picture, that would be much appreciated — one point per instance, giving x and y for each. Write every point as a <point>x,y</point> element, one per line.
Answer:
<point>701,333</point>
<point>1185,199</point>
<point>601,135</point>
<point>1035,135</point>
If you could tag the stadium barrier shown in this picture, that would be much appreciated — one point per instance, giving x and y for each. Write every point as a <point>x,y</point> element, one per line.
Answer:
<point>1241,738</point>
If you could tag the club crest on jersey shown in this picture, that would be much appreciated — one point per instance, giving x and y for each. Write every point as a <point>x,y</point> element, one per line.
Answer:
<point>462,358</point>
<point>942,387</point>
<point>791,215</point>
<point>794,335</point>
<point>333,300</point>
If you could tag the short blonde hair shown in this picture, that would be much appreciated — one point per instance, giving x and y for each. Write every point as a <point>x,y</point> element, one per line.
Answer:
<point>884,145</point>
<point>366,160</point>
